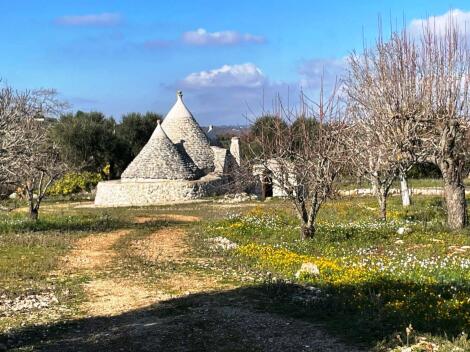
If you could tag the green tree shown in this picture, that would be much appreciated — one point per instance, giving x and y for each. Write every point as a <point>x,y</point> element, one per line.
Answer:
<point>305,126</point>
<point>263,130</point>
<point>88,141</point>
<point>135,129</point>
<point>265,126</point>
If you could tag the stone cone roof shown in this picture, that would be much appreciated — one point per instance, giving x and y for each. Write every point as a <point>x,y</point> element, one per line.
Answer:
<point>160,159</point>
<point>180,125</point>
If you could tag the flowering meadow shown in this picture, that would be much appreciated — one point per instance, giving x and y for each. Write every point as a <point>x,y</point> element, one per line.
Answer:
<point>374,278</point>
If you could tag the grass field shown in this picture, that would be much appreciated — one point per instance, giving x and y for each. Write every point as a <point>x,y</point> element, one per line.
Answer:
<point>412,183</point>
<point>373,282</point>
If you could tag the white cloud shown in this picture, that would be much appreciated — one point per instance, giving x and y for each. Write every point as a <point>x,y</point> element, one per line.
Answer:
<point>228,94</point>
<point>245,75</point>
<point>458,17</point>
<point>203,37</point>
<point>102,19</point>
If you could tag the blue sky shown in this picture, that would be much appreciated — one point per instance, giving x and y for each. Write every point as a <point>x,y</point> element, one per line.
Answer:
<point>123,56</point>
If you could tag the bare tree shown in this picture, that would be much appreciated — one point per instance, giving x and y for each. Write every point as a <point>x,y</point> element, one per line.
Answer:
<point>445,70</point>
<point>302,153</point>
<point>385,102</point>
<point>28,158</point>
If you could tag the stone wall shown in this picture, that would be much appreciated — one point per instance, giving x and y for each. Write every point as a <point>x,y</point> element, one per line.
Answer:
<point>220,160</point>
<point>235,149</point>
<point>422,191</point>
<point>143,192</point>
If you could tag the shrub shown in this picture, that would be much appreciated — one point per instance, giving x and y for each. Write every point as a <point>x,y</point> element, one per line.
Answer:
<point>425,170</point>
<point>75,182</point>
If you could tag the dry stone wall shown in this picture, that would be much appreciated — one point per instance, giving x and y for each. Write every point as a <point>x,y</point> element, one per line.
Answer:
<point>137,193</point>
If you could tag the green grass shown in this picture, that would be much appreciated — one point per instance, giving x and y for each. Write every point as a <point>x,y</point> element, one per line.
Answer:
<point>413,183</point>
<point>30,251</point>
<point>373,282</point>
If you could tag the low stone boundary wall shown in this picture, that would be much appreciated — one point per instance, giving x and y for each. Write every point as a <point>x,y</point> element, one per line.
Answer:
<point>424,191</point>
<point>136,193</point>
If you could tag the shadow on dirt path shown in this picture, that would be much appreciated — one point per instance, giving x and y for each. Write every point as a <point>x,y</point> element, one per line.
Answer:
<point>181,311</point>
<point>221,321</point>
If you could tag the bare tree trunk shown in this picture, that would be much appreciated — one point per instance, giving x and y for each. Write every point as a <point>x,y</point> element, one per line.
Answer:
<point>33,213</point>
<point>381,193</point>
<point>382,198</point>
<point>307,231</point>
<point>404,190</point>
<point>33,206</point>
<point>308,216</point>
<point>452,174</point>
<point>374,188</point>
<point>454,193</point>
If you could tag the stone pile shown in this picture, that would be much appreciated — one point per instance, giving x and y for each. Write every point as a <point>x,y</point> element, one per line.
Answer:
<point>237,198</point>
<point>220,242</point>
<point>26,303</point>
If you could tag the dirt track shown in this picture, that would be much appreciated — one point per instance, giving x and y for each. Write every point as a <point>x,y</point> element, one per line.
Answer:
<point>182,310</point>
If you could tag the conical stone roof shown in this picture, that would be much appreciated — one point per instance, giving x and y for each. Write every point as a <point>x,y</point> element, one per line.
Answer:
<point>180,125</point>
<point>160,159</point>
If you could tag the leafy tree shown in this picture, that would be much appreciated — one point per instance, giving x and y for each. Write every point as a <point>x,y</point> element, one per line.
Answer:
<point>305,126</point>
<point>135,130</point>
<point>88,141</point>
<point>267,126</point>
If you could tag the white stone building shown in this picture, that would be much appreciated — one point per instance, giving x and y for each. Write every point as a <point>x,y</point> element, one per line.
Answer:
<point>179,162</point>
<point>268,175</point>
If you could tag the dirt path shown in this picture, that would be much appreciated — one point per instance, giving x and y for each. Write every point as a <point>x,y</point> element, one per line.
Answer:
<point>105,296</point>
<point>93,252</point>
<point>110,295</point>
<point>183,310</point>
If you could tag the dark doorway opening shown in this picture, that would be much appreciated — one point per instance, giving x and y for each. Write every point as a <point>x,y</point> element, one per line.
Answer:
<point>267,186</point>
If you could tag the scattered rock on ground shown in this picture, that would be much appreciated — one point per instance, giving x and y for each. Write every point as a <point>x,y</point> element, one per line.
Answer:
<point>403,230</point>
<point>307,269</point>
<point>220,242</point>
<point>26,303</point>
<point>237,198</point>
<point>307,295</point>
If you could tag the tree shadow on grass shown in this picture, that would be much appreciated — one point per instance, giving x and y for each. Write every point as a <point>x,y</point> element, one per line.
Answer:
<point>268,317</point>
